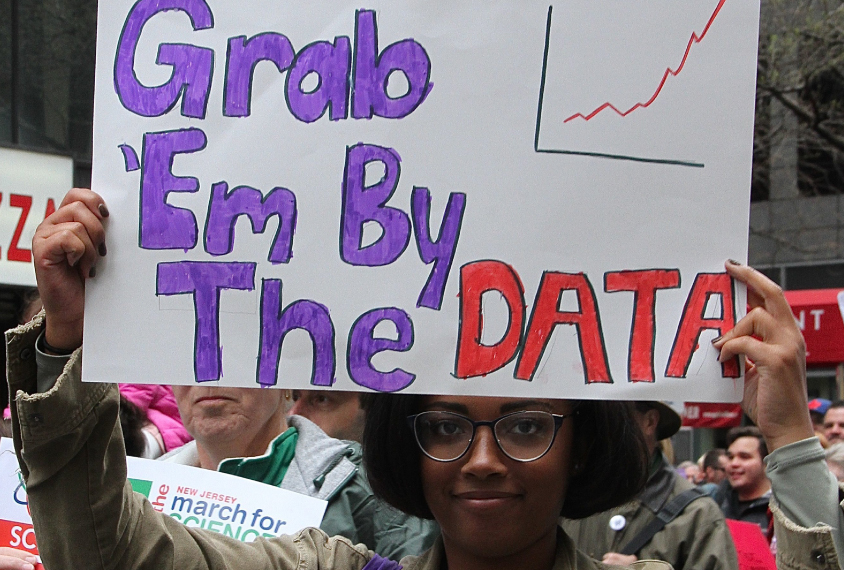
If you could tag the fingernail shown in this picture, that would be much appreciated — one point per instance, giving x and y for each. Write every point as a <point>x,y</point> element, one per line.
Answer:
<point>93,272</point>
<point>103,210</point>
<point>73,259</point>
<point>102,249</point>
<point>716,340</point>
<point>734,262</point>
<point>28,566</point>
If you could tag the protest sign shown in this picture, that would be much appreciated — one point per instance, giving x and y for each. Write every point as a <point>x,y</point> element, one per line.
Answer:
<point>223,503</point>
<point>505,197</point>
<point>31,187</point>
<point>229,505</point>
<point>15,523</point>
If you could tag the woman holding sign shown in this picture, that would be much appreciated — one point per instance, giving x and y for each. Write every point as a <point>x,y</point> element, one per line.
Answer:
<point>495,473</point>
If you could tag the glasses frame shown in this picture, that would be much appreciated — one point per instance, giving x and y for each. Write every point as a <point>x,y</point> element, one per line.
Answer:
<point>558,423</point>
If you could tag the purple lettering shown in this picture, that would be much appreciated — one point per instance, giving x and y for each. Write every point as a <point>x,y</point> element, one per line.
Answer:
<point>243,56</point>
<point>310,316</point>
<point>192,66</point>
<point>163,226</point>
<point>363,204</point>
<point>373,70</point>
<point>225,207</point>
<point>363,346</point>
<point>439,252</point>
<point>205,280</point>
<point>331,64</point>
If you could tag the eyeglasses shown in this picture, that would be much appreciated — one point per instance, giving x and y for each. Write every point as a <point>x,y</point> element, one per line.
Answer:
<point>521,436</point>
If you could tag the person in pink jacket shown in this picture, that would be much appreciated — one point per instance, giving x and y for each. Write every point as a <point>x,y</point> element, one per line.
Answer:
<point>160,407</point>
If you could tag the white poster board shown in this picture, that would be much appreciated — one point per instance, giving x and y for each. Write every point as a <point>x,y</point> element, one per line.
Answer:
<point>505,197</point>
<point>31,187</point>
<point>232,506</point>
<point>15,523</point>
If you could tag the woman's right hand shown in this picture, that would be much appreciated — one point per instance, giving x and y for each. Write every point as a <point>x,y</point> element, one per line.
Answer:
<point>66,248</point>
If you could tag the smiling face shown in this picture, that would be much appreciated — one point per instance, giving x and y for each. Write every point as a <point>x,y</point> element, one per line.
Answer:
<point>242,420</point>
<point>745,470</point>
<point>488,505</point>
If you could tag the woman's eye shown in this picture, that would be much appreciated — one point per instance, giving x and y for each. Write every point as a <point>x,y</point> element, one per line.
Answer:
<point>444,428</point>
<point>526,427</point>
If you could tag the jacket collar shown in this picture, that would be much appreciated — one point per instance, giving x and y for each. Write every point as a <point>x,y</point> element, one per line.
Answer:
<point>659,486</point>
<point>322,465</point>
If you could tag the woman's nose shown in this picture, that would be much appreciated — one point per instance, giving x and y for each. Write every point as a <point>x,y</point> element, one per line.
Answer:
<point>485,457</point>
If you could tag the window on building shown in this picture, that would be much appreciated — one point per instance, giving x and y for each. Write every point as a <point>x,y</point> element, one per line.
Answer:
<point>6,71</point>
<point>826,276</point>
<point>760,186</point>
<point>820,165</point>
<point>56,57</point>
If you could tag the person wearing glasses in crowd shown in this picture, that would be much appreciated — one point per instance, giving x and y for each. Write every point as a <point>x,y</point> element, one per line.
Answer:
<point>715,463</point>
<point>495,473</point>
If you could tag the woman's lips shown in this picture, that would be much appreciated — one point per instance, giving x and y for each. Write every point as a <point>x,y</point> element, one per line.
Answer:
<point>486,500</point>
<point>484,494</point>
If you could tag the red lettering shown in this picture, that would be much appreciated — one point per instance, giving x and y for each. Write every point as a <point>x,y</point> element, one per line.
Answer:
<point>474,358</point>
<point>51,207</point>
<point>15,253</point>
<point>693,322</point>
<point>546,317</point>
<point>644,285</point>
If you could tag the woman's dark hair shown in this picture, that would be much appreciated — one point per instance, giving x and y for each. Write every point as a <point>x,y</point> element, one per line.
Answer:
<point>132,421</point>
<point>609,456</point>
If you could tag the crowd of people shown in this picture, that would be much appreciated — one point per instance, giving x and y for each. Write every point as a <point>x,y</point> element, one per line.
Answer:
<point>434,481</point>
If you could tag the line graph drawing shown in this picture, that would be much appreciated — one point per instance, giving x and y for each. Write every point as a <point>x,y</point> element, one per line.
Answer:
<point>595,77</point>
<point>694,39</point>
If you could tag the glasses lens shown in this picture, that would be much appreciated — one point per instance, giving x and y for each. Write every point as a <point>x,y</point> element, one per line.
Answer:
<point>525,435</point>
<point>443,435</point>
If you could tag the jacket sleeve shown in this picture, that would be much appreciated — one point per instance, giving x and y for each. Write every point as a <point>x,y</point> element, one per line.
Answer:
<point>398,535</point>
<point>70,450</point>
<point>807,506</point>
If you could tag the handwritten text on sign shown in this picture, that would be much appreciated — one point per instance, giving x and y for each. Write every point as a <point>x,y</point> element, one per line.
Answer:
<point>358,268</point>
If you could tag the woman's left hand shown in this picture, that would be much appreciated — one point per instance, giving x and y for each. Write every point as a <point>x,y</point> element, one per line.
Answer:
<point>775,380</point>
<point>13,559</point>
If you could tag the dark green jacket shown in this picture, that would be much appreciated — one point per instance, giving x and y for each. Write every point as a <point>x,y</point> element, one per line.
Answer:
<point>698,539</point>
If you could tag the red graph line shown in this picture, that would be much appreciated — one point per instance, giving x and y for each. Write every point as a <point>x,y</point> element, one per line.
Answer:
<point>695,39</point>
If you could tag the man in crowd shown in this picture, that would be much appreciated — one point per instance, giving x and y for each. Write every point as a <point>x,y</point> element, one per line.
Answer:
<point>817,410</point>
<point>697,538</point>
<point>833,422</point>
<point>747,492</point>
<point>715,464</point>
<point>339,414</point>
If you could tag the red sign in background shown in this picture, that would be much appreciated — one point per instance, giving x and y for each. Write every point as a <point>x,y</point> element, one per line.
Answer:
<point>18,535</point>
<point>819,317</point>
<point>701,415</point>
